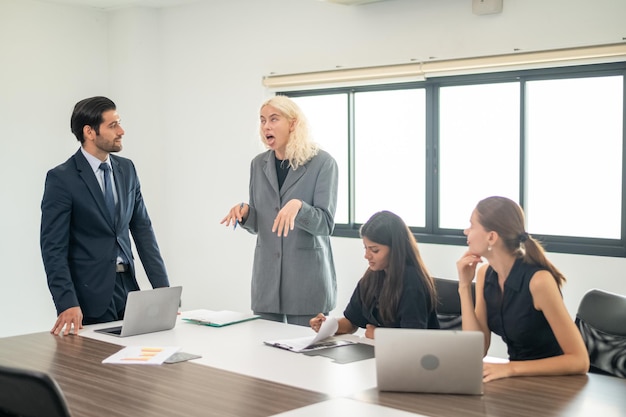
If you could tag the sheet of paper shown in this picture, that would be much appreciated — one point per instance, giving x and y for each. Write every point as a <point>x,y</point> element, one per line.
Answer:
<point>327,329</point>
<point>317,341</point>
<point>142,355</point>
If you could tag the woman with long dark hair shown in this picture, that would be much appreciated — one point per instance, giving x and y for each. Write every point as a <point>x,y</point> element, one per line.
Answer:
<point>396,289</point>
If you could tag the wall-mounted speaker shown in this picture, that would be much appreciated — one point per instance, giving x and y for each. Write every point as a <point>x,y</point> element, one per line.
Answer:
<point>486,6</point>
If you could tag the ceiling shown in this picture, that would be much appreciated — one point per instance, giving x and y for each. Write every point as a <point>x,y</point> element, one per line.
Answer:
<point>119,4</point>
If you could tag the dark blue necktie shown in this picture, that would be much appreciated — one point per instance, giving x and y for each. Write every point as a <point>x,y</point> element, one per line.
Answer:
<point>108,189</point>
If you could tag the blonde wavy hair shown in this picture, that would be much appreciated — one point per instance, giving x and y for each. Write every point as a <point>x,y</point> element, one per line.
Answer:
<point>300,147</point>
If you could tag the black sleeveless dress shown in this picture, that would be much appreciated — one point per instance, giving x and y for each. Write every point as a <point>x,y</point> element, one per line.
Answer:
<point>512,315</point>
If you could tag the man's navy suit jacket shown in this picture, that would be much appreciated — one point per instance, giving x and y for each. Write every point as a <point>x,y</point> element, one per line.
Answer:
<point>79,240</point>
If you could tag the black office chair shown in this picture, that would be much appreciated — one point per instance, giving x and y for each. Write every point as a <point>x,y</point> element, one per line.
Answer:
<point>28,393</point>
<point>601,319</point>
<point>449,308</point>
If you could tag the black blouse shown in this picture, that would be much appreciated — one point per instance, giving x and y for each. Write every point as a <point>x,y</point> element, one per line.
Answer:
<point>414,309</point>
<point>512,315</point>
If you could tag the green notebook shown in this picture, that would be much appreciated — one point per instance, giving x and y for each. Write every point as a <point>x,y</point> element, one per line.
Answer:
<point>216,318</point>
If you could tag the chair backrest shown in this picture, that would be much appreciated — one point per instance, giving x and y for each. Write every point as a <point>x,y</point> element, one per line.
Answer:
<point>449,308</point>
<point>30,393</point>
<point>601,319</point>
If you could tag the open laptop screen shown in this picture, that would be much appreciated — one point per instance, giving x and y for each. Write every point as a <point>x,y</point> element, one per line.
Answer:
<point>148,311</point>
<point>433,361</point>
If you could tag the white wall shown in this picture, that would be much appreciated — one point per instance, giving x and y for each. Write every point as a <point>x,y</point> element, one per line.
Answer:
<point>187,81</point>
<point>50,57</point>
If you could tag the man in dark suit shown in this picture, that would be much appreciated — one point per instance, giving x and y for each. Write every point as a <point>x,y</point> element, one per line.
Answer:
<point>91,204</point>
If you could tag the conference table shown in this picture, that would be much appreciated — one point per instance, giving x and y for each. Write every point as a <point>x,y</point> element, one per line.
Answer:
<point>239,375</point>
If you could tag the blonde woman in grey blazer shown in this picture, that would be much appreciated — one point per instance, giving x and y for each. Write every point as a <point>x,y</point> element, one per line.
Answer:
<point>293,197</point>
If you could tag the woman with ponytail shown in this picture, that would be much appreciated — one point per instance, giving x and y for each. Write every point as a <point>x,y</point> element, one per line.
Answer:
<point>396,289</point>
<point>518,296</point>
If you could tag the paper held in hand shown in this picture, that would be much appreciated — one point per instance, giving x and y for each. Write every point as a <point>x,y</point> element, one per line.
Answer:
<point>321,340</point>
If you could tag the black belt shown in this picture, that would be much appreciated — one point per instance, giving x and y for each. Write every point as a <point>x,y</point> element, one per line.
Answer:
<point>122,268</point>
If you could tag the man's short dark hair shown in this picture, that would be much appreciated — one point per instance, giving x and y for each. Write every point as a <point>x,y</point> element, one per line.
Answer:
<point>88,112</point>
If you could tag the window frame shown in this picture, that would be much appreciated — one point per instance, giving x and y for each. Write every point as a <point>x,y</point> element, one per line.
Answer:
<point>432,233</point>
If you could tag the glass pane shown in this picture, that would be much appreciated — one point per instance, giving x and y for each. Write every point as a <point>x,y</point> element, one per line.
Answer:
<point>328,120</point>
<point>389,152</point>
<point>478,148</point>
<point>574,140</point>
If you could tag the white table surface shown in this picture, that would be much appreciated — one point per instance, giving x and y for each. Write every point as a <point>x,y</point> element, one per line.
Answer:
<point>346,407</point>
<point>239,348</point>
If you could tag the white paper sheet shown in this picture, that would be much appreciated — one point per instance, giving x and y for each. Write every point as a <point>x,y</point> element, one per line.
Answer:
<point>317,341</point>
<point>142,355</point>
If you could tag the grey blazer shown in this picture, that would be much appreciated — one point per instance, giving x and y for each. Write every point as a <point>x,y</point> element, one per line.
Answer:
<point>293,274</point>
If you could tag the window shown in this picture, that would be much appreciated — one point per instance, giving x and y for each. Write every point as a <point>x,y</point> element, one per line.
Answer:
<point>574,148</point>
<point>479,144</point>
<point>328,119</point>
<point>551,139</point>
<point>389,154</point>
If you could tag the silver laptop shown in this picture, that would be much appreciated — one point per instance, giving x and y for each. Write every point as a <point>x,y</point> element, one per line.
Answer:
<point>148,311</point>
<point>429,361</point>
